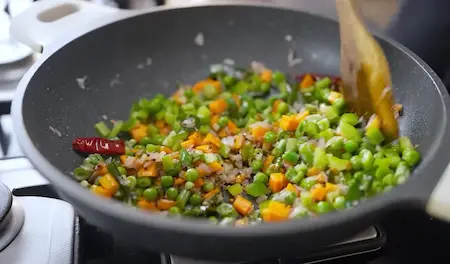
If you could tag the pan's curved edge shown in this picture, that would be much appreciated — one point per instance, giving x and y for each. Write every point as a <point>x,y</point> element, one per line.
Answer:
<point>189,227</point>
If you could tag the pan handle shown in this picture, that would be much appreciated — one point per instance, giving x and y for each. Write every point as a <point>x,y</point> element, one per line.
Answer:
<point>47,20</point>
<point>439,202</point>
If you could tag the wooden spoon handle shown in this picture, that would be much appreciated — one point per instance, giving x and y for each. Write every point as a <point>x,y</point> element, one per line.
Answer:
<point>365,70</point>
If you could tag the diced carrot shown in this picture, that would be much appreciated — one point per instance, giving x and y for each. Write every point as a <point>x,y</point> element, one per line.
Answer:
<point>330,187</point>
<point>301,116</point>
<point>146,205</point>
<point>165,204</point>
<point>150,171</point>
<point>101,170</point>
<point>312,171</point>
<point>277,181</point>
<point>201,172</point>
<point>123,158</point>
<point>199,86</point>
<point>160,124</point>
<point>266,76</point>
<point>99,190</point>
<point>293,189</point>
<point>333,96</point>
<point>211,139</point>
<point>218,106</point>
<point>165,130</point>
<point>267,146</point>
<point>288,123</point>
<point>307,81</point>
<point>178,181</point>
<point>109,183</point>
<point>242,205</point>
<point>318,192</point>
<point>211,193</point>
<point>196,137</point>
<point>276,211</point>
<point>207,148</point>
<point>259,132</point>
<point>237,99</point>
<point>232,128</point>
<point>199,182</point>
<point>222,133</point>
<point>267,162</point>
<point>166,149</point>
<point>215,166</point>
<point>188,144</point>
<point>214,120</point>
<point>138,132</point>
<point>238,141</point>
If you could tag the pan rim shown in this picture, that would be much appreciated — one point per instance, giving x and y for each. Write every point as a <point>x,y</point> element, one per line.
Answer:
<point>197,227</point>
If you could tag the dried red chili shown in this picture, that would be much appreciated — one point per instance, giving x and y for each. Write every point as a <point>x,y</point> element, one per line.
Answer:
<point>99,145</point>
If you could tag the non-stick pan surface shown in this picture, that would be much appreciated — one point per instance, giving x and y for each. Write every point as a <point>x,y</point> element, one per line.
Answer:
<point>50,99</point>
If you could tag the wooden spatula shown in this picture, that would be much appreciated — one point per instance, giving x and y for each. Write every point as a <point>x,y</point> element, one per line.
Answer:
<point>365,70</point>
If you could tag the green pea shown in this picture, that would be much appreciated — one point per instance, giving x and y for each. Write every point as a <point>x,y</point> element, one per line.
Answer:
<point>356,163</point>
<point>291,157</point>
<point>290,198</point>
<point>189,185</point>
<point>204,129</point>
<point>261,177</point>
<point>339,202</point>
<point>228,80</point>
<point>122,170</point>
<point>366,159</point>
<point>195,199</point>
<point>350,118</point>
<point>208,186</point>
<point>323,207</point>
<point>307,183</point>
<point>257,165</point>
<point>172,193</point>
<point>210,92</point>
<point>388,180</point>
<point>174,210</point>
<point>191,174</point>
<point>411,157</point>
<point>351,146</point>
<point>270,137</point>
<point>278,77</point>
<point>131,182</point>
<point>265,87</point>
<point>166,181</point>
<point>283,108</point>
<point>223,121</point>
<point>346,156</point>
<point>144,182</point>
<point>306,199</point>
<point>150,194</point>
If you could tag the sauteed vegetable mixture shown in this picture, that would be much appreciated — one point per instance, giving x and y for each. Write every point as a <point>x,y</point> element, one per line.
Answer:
<point>244,146</point>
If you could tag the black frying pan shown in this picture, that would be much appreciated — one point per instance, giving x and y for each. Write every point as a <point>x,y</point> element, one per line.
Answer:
<point>49,101</point>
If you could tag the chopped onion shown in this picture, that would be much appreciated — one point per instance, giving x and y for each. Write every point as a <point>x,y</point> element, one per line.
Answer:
<point>55,131</point>
<point>199,39</point>
<point>261,199</point>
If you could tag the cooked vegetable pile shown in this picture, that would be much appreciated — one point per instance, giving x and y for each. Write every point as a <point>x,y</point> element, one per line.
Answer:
<point>244,146</point>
